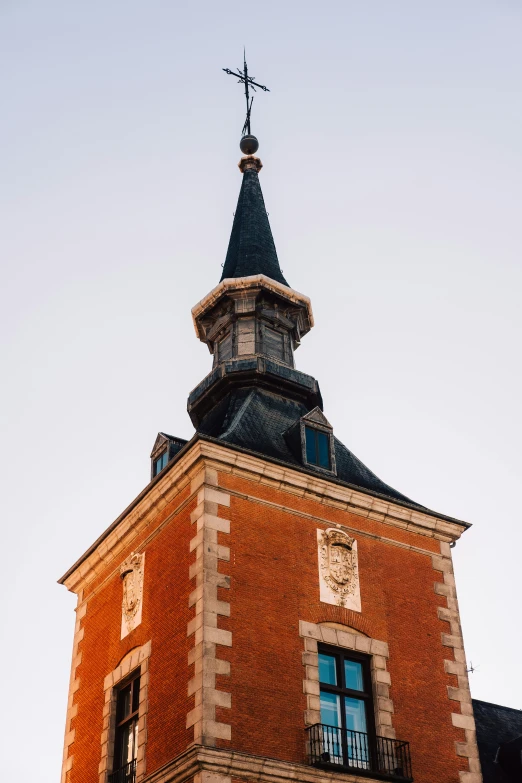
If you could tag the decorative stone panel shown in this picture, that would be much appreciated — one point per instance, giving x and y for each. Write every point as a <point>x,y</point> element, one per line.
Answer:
<point>338,569</point>
<point>131,572</point>
<point>204,626</point>
<point>139,657</point>
<point>453,640</point>
<point>349,640</point>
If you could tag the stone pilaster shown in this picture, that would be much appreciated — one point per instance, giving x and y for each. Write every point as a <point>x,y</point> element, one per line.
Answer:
<point>204,627</point>
<point>453,640</point>
<point>74,684</point>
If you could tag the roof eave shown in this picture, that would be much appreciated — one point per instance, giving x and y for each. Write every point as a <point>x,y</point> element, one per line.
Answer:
<point>197,437</point>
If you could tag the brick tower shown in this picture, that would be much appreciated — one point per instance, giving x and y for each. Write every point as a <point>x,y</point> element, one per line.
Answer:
<point>267,608</point>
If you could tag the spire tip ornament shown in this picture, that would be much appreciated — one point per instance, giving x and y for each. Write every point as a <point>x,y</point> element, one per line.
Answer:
<point>248,144</point>
<point>250,162</point>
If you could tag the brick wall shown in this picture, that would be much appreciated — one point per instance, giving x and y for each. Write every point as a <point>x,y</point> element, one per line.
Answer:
<point>274,585</point>
<point>165,616</point>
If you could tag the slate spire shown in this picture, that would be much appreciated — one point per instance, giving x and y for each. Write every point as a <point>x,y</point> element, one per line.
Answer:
<point>251,250</point>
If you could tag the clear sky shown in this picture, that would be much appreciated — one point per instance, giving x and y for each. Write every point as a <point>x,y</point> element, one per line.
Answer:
<point>393,178</point>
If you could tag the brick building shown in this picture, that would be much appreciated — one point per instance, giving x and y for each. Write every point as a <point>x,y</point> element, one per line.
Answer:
<point>267,608</point>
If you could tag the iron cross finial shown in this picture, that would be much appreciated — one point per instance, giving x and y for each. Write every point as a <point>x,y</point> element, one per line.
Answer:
<point>248,81</point>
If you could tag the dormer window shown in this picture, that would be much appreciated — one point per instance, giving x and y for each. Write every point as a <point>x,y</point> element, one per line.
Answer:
<point>312,442</point>
<point>165,448</point>
<point>160,462</point>
<point>317,444</point>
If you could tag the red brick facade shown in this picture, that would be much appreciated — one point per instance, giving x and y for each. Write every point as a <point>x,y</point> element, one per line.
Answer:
<point>270,555</point>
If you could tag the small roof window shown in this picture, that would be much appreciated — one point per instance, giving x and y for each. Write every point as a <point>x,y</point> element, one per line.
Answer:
<point>165,448</point>
<point>159,463</point>
<point>317,441</point>
<point>317,447</point>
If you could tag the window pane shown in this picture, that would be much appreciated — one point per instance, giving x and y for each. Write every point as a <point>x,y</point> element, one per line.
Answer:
<point>311,453</point>
<point>355,714</point>
<point>273,343</point>
<point>225,348</point>
<point>330,709</point>
<point>129,743</point>
<point>135,694</point>
<point>327,670</point>
<point>124,705</point>
<point>353,674</point>
<point>322,447</point>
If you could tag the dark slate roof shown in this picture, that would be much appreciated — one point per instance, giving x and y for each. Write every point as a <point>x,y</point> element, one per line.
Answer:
<point>256,420</point>
<point>495,726</point>
<point>251,250</point>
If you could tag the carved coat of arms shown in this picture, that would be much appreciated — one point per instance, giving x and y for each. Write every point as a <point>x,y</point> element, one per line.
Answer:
<point>338,564</point>
<point>131,572</point>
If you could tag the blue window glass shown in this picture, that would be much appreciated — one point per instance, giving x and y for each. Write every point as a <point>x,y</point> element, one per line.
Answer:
<point>317,447</point>
<point>330,709</point>
<point>323,450</point>
<point>160,463</point>
<point>353,674</point>
<point>327,669</point>
<point>355,714</point>
<point>311,448</point>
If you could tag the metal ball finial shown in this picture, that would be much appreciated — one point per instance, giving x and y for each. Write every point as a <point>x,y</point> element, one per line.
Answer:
<point>249,145</point>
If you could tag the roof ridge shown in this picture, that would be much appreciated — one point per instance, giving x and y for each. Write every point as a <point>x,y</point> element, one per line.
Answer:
<point>236,419</point>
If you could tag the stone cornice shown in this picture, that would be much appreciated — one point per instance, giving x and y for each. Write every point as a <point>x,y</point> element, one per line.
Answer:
<point>231,459</point>
<point>243,283</point>
<point>332,492</point>
<point>233,764</point>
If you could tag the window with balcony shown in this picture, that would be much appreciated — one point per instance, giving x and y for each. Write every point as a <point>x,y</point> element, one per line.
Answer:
<point>346,736</point>
<point>126,734</point>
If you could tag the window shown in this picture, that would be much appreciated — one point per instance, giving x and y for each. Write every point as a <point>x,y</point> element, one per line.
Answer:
<point>317,447</point>
<point>126,737</point>
<point>160,462</point>
<point>346,708</point>
<point>225,348</point>
<point>273,343</point>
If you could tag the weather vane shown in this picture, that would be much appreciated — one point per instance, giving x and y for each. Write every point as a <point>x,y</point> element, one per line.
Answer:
<point>248,144</point>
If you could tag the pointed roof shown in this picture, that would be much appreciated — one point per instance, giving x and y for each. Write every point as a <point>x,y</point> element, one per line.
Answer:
<point>251,250</point>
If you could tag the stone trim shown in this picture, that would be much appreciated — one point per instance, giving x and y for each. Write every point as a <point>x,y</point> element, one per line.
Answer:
<point>121,533</point>
<point>74,684</point>
<point>450,614</point>
<point>219,765</point>
<point>347,640</point>
<point>204,625</point>
<point>231,284</point>
<point>137,657</point>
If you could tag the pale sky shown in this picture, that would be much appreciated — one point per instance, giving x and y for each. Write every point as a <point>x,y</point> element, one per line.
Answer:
<point>391,143</point>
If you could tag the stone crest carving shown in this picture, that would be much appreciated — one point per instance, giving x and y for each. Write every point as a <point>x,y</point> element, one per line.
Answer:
<point>338,569</point>
<point>131,572</point>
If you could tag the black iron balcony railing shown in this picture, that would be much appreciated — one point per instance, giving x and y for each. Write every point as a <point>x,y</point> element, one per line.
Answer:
<point>349,750</point>
<point>126,774</point>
